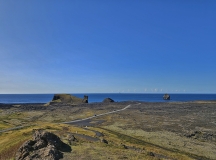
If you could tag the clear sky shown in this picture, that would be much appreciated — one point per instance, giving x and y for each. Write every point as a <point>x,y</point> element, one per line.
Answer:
<point>94,46</point>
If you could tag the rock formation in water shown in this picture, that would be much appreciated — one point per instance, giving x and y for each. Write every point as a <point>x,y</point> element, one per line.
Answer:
<point>45,145</point>
<point>166,97</point>
<point>67,98</point>
<point>108,100</point>
<point>85,99</point>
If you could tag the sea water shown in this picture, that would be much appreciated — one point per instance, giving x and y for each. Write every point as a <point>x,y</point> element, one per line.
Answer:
<point>99,97</point>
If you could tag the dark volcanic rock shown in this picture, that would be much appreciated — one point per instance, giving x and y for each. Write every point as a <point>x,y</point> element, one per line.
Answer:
<point>104,141</point>
<point>124,146</point>
<point>202,135</point>
<point>67,98</point>
<point>45,145</point>
<point>85,99</point>
<point>71,138</point>
<point>151,154</point>
<point>108,100</point>
<point>166,97</point>
<point>42,136</point>
<point>5,106</point>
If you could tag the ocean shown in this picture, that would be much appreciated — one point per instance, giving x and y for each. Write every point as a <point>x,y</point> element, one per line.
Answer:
<point>99,97</point>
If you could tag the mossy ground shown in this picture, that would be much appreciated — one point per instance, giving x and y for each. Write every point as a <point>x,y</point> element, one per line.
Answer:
<point>140,132</point>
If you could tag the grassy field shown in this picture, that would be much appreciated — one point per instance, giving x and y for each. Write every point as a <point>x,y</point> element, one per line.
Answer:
<point>148,131</point>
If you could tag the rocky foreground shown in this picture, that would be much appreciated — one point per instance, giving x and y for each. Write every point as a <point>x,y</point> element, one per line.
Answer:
<point>45,145</point>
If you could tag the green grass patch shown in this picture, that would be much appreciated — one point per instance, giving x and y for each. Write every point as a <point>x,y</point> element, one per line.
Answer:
<point>169,152</point>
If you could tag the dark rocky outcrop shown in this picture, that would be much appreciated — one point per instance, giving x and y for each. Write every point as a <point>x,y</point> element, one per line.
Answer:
<point>104,141</point>
<point>124,146</point>
<point>166,97</point>
<point>108,100</point>
<point>202,135</point>
<point>45,145</point>
<point>6,106</point>
<point>85,99</point>
<point>67,98</point>
<point>71,138</point>
<point>151,154</point>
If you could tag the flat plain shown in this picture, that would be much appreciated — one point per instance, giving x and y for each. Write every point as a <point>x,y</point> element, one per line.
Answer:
<point>169,130</point>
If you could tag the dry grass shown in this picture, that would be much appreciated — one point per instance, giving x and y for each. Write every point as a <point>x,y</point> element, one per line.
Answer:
<point>4,125</point>
<point>91,151</point>
<point>9,153</point>
<point>165,143</point>
<point>10,141</point>
<point>151,128</point>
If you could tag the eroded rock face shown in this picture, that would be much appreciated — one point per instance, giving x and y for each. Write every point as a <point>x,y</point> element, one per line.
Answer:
<point>166,97</point>
<point>108,100</point>
<point>45,145</point>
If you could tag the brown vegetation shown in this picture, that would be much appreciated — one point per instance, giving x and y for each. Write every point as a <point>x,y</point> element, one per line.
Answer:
<point>183,130</point>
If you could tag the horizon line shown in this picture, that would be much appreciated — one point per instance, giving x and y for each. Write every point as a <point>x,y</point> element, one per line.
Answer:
<point>117,93</point>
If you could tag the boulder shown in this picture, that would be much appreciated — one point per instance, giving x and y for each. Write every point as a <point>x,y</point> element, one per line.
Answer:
<point>71,138</point>
<point>124,146</point>
<point>151,154</point>
<point>47,137</point>
<point>108,100</point>
<point>104,141</point>
<point>166,97</point>
<point>45,145</point>
<point>67,98</point>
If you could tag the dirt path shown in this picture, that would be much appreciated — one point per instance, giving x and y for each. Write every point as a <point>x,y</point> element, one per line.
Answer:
<point>10,129</point>
<point>114,111</point>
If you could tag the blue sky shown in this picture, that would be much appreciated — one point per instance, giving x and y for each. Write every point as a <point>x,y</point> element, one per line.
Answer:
<point>82,46</point>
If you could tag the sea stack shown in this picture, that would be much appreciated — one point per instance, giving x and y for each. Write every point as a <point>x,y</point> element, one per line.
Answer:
<point>108,100</point>
<point>69,99</point>
<point>85,99</point>
<point>166,97</point>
